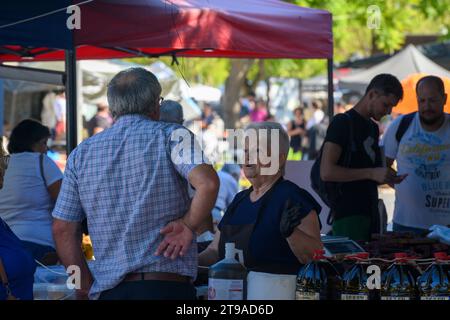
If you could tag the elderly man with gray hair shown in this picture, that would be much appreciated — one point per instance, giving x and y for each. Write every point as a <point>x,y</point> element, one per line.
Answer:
<point>171,112</point>
<point>125,181</point>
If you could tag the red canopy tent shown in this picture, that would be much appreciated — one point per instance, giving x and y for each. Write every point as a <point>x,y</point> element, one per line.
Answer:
<point>153,28</point>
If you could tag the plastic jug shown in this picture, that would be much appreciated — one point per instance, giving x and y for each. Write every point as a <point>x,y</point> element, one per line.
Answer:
<point>355,280</point>
<point>227,278</point>
<point>399,280</point>
<point>318,280</point>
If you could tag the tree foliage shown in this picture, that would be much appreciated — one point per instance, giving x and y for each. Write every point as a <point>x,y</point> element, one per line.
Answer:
<point>398,18</point>
<point>213,71</point>
<point>352,37</point>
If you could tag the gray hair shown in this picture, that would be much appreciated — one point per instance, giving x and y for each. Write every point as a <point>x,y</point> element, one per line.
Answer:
<point>133,91</point>
<point>283,138</point>
<point>269,126</point>
<point>171,111</point>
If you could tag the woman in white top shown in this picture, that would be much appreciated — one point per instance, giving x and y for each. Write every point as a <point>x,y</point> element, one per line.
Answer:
<point>31,187</point>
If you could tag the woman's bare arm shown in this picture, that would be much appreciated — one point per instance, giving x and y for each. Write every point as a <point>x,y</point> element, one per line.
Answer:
<point>53,190</point>
<point>306,238</point>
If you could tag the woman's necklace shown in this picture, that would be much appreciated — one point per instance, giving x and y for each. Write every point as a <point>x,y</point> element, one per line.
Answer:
<point>262,191</point>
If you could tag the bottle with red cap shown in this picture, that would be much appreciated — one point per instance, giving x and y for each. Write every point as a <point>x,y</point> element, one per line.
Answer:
<point>318,280</point>
<point>399,280</point>
<point>355,280</point>
<point>434,284</point>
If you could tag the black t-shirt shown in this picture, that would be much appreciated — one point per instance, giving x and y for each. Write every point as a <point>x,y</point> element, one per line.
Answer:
<point>98,121</point>
<point>296,141</point>
<point>267,245</point>
<point>358,197</point>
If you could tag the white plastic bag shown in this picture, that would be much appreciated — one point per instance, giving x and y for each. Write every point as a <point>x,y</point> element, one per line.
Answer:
<point>268,286</point>
<point>440,233</point>
<point>50,283</point>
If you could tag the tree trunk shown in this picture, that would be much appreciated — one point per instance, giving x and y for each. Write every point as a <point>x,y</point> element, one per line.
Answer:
<point>373,41</point>
<point>268,93</point>
<point>260,75</point>
<point>233,85</point>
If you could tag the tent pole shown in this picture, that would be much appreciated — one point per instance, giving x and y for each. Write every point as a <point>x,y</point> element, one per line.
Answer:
<point>71,100</point>
<point>79,115</point>
<point>12,114</point>
<point>330,88</point>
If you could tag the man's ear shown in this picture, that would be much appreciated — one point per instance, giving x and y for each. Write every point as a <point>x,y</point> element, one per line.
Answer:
<point>372,93</point>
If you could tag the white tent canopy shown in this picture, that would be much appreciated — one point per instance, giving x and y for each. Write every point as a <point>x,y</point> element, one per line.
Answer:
<point>205,93</point>
<point>408,61</point>
<point>96,75</point>
<point>36,78</point>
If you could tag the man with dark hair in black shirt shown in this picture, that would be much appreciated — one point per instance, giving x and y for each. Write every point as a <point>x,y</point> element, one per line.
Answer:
<point>357,203</point>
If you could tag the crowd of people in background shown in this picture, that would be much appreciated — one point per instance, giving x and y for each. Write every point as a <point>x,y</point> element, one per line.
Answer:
<point>307,126</point>
<point>306,129</point>
<point>53,114</point>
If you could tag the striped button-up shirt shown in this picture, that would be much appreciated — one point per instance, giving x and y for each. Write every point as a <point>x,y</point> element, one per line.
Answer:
<point>127,185</point>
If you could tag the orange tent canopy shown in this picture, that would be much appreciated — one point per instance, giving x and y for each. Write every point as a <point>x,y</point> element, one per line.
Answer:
<point>409,102</point>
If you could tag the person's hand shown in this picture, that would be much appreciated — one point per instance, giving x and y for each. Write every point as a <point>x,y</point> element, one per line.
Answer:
<point>387,175</point>
<point>397,180</point>
<point>178,238</point>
